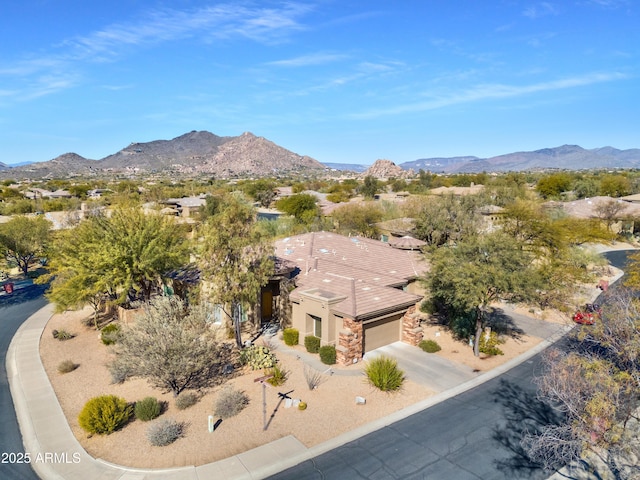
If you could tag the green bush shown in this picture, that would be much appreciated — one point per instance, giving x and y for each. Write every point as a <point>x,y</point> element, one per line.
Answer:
<point>186,400</point>
<point>312,343</point>
<point>383,373</point>
<point>291,336</point>
<point>62,335</point>
<point>147,409</point>
<point>105,414</point>
<point>67,366</point>
<point>230,402</point>
<point>109,334</point>
<point>328,354</point>
<point>490,346</point>
<point>429,346</point>
<point>165,432</point>
<point>258,357</point>
<point>279,375</point>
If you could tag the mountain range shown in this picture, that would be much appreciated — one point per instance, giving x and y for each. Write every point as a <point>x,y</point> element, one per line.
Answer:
<point>246,155</point>
<point>568,157</point>
<point>196,152</point>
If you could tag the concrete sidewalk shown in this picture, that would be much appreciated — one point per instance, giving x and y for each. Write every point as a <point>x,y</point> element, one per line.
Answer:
<point>56,454</point>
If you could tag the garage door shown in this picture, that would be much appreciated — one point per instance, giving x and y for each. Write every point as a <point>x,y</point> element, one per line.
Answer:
<point>380,333</point>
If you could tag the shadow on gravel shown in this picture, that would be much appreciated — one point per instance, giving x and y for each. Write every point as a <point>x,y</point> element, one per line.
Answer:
<point>30,292</point>
<point>524,412</point>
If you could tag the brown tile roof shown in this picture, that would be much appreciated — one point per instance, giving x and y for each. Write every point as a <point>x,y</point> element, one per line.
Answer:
<point>337,266</point>
<point>370,300</point>
<point>370,257</point>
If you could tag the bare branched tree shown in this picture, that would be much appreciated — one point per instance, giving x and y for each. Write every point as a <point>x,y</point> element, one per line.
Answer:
<point>596,385</point>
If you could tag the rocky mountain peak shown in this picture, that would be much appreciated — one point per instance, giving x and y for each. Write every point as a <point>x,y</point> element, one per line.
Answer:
<point>384,169</point>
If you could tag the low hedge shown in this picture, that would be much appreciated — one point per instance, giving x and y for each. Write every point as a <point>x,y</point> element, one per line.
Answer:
<point>328,354</point>
<point>312,343</point>
<point>291,336</point>
<point>429,346</point>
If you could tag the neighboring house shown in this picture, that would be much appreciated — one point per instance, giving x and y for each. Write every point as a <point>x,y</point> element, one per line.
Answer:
<point>187,206</point>
<point>97,192</point>
<point>34,193</point>
<point>397,227</point>
<point>491,215</point>
<point>472,190</point>
<point>354,293</point>
<point>588,208</point>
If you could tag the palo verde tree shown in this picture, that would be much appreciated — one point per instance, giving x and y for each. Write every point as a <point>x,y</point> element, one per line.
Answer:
<point>121,257</point>
<point>358,218</point>
<point>173,347</point>
<point>23,240</point>
<point>235,258</point>
<point>302,206</point>
<point>466,278</point>
<point>370,187</point>
<point>440,220</point>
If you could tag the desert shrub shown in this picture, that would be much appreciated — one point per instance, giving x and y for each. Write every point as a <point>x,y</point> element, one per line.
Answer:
<point>119,372</point>
<point>279,377</point>
<point>383,373</point>
<point>67,366</point>
<point>104,414</point>
<point>312,343</point>
<point>489,346</point>
<point>328,354</point>
<point>147,409</point>
<point>186,400</point>
<point>291,336</point>
<point>165,432</point>
<point>313,377</point>
<point>429,346</point>
<point>62,335</point>
<point>258,357</point>
<point>109,334</point>
<point>230,402</point>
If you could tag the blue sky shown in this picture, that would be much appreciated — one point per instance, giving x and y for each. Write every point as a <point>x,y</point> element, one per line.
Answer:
<point>341,81</point>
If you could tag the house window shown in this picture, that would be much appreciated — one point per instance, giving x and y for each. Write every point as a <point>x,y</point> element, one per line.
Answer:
<point>317,326</point>
<point>213,313</point>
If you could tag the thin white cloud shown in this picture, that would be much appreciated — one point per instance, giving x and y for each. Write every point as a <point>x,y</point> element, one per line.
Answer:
<point>223,21</point>
<point>610,3</point>
<point>48,84</point>
<point>490,92</point>
<point>541,9</point>
<point>117,88</point>
<point>309,60</point>
<point>227,21</point>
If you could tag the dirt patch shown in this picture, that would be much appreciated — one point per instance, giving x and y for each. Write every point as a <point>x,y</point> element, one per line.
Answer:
<point>331,411</point>
<point>331,407</point>
<point>461,352</point>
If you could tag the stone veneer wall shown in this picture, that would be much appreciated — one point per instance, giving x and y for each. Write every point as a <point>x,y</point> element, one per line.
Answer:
<point>349,348</point>
<point>412,332</point>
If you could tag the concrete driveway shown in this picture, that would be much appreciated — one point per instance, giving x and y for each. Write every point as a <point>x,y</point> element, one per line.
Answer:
<point>432,371</point>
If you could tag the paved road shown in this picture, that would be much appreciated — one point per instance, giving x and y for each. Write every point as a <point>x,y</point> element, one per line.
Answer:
<point>475,435</point>
<point>14,309</point>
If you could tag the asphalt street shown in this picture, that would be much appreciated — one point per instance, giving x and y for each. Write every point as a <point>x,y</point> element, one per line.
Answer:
<point>474,435</point>
<point>14,309</point>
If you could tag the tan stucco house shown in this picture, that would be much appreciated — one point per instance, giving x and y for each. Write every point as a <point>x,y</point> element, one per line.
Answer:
<point>354,293</point>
